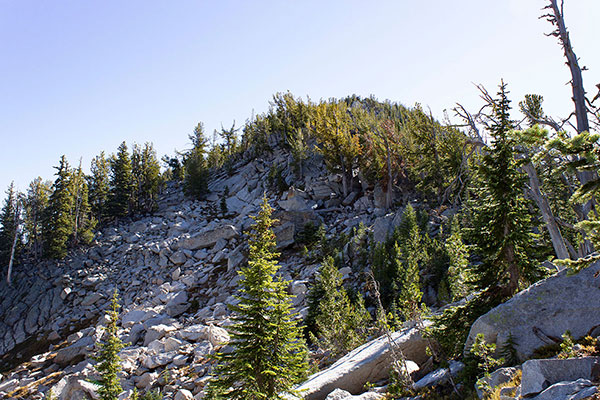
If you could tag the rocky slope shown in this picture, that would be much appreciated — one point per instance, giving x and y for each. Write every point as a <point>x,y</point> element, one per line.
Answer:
<point>175,271</point>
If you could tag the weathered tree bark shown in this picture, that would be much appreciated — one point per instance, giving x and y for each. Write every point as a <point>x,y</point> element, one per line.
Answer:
<point>556,18</point>
<point>389,193</point>
<point>14,246</point>
<point>558,242</point>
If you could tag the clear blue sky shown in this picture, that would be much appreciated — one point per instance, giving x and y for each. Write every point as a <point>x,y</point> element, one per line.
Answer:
<point>78,77</point>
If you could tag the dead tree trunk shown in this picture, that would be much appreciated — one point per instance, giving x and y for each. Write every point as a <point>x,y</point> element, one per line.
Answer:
<point>14,245</point>
<point>389,192</point>
<point>556,17</point>
<point>558,242</point>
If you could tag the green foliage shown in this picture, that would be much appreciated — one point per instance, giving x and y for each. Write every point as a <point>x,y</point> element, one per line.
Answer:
<point>310,235</point>
<point>531,107</point>
<point>508,352</point>
<point>400,384</point>
<point>458,254</point>
<point>340,325</point>
<point>122,185</point>
<point>338,142</point>
<point>146,177</point>
<point>484,354</point>
<point>591,227</point>
<point>389,143</point>
<point>107,355</point>
<point>268,355</point>
<point>99,186</point>
<point>35,204</point>
<point>396,267</point>
<point>275,179</point>
<point>223,202</point>
<point>256,134</point>
<point>195,183</point>
<point>566,346</point>
<point>502,223</point>
<point>584,152</point>
<point>451,328</point>
<point>152,395</point>
<point>215,157</point>
<point>58,224</point>
<point>49,395</point>
<point>230,138</point>
<point>175,170</point>
<point>8,223</point>
<point>435,154</point>
<point>81,215</point>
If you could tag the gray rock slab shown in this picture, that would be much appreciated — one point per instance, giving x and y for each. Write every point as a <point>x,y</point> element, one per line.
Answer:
<point>209,238</point>
<point>576,390</point>
<point>538,375</point>
<point>77,350</point>
<point>178,304</point>
<point>550,307</point>
<point>367,363</point>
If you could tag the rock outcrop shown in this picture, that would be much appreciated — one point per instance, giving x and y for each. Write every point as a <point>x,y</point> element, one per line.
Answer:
<point>368,363</point>
<point>539,375</point>
<point>545,310</point>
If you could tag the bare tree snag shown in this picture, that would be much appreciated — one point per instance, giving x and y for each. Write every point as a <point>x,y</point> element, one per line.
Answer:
<point>558,242</point>
<point>556,18</point>
<point>14,244</point>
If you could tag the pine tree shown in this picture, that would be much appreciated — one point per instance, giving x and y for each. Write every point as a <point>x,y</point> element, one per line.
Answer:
<point>231,139</point>
<point>146,177</point>
<point>82,220</point>
<point>502,223</point>
<point>338,143</point>
<point>121,183</point>
<point>58,224</point>
<point>99,186</point>
<point>268,354</point>
<point>35,204</point>
<point>223,202</point>
<point>396,266</point>
<point>107,356</point>
<point>195,183</point>
<point>458,254</point>
<point>8,218</point>
<point>340,324</point>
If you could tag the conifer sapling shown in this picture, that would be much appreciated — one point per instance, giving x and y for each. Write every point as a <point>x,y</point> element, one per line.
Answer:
<point>107,356</point>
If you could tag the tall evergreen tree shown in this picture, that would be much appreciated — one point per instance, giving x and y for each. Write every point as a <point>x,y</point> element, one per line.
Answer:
<point>396,266</point>
<point>58,224</point>
<point>146,177</point>
<point>458,255</point>
<point>122,185</point>
<point>8,224</point>
<point>340,324</point>
<point>195,183</point>
<point>268,354</point>
<point>35,204</point>
<point>83,222</point>
<point>230,139</point>
<point>337,140</point>
<point>502,223</point>
<point>99,186</point>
